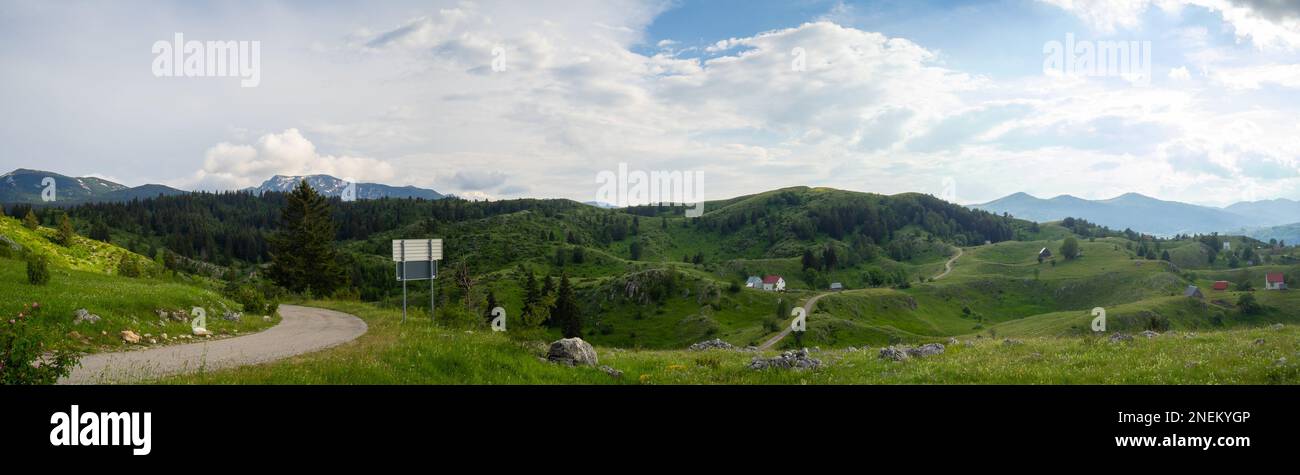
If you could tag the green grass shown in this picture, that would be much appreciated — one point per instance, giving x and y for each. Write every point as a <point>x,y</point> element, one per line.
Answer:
<point>422,353</point>
<point>83,276</point>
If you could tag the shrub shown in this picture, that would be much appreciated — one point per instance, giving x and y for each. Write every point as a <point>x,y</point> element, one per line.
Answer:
<point>38,269</point>
<point>128,267</point>
<point>24,358</point>
<point>1248,305</point>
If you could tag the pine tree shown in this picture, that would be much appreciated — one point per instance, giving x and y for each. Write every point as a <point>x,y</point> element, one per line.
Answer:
<point>30,221</point>
<point>66,233</point>
<point>566,310</point>
<point>303,256</point>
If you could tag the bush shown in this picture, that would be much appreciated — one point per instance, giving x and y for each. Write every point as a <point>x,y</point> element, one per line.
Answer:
<point>128,267</point>
<point>24,358</point>
<point>1248,305</point>
<point>38,269</point>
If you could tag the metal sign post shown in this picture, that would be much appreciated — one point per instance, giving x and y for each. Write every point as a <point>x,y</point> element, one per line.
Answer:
<point>417,259</point>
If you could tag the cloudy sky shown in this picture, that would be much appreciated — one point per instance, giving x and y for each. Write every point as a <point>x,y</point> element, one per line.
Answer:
<point>534,98</point>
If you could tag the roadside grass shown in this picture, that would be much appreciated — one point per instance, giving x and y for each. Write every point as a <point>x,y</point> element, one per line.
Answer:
<point>122,304</point>
<point>422,353</point>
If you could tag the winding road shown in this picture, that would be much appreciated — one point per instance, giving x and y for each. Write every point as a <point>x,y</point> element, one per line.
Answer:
<point>812,301</point>
<point>301,330</point>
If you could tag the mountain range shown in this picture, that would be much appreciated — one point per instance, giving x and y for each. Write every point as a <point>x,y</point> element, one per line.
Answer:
<point>331,186</point>
<point>26,185</point>
<point>1150,215</point>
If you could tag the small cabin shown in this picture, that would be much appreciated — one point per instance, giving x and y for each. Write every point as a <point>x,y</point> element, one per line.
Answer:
<point>1193,292</point>
<point>1274,281</point>
<point>754,282</point>
<point>774,283</point>
<point>836,286</point>
<point>1220,285</point>
<point>1045,253</point>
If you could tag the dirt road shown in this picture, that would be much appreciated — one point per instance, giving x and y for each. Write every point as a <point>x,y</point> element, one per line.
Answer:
<point>301,330</point>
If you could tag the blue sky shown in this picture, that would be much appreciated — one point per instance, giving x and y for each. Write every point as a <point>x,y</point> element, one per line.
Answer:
<point>893,96</point>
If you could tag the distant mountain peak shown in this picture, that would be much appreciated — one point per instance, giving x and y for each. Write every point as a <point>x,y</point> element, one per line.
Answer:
<point>332,186</point>
<point>1141,213</point>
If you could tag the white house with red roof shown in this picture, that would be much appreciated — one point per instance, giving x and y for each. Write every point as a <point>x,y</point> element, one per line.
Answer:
<point>774,283</point>
<point>1274,281</point>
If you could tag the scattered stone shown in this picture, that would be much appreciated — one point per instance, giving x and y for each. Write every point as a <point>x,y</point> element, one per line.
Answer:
<point>751,348</point>
<point>266,318</point>
<point>893,354</point>
<point>1191,364</point>
<point>851,349</point>
<point>968,343</point>
<point>84,316</point>
<point>1259,341</point>
<point>1118,337</point>
<point>130,336</point>
<point>786,360</point>
<point>929,349</point>
<point>103,332</point>
<point>230,316</point>
<point>201,332</point>
<point>165,337</point>
<point>572,351</point>
<point>952,341</point>
<point>1149,334</point>
<point>1277,326</point>
<point>714,344</point>
<point>1280,362</point>
<point>153,341</point>
<point>1012,342</point>
<point>613,373</point>
<point>148,335</point>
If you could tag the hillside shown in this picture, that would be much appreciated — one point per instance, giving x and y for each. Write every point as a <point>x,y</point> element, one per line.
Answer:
<point>84,276</point>
<point>26,186</point>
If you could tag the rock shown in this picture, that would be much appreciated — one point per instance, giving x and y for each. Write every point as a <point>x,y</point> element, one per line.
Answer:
<point>893,353</point>
<point>1277,326</point>
<point>792,359</point>
<point>968,343</point>
<point>1280,362</point>
<point>925,350</point>
<point>613,373</point>
<point>165,337</point>
<point>266,318</point>
<point>1118,337</point>
<point>952,341</point>
<point>751,348</point>
<point>153,341</point>
<point>1149,334</point>
<point>572,351</point>
<point>714,344</point>
<point>130,336</point>
<point>230,316</point>
<point>1259,341</point>
<point>1012,342</point>
<point>83,316</point>
<point>851,349</point>
<point>1191,364</point>
<point>201,332</point>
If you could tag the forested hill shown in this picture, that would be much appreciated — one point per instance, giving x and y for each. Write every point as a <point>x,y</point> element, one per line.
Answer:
<point>836,228</point>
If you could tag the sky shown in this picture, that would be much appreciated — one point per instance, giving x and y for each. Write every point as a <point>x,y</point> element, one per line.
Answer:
<point>488,99</point>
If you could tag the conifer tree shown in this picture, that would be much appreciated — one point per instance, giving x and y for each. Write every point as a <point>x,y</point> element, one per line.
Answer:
<point>303,256</point>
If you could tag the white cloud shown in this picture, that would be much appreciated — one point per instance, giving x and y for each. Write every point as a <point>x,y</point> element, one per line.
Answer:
<point>232,166</point>
<point>1180,73</point>
<point>1254,77</point>
<point>1264,23</point>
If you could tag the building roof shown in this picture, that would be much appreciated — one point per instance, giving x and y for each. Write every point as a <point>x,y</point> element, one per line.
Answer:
<point>771,279</point>
<point>836,285</point>
<point>1192,291</point>
<point>1274,277</point>
<point>1220,284</point>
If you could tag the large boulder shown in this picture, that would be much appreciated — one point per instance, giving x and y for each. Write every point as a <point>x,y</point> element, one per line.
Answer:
<point>714,344</point>
<point>130,336</point>
<point>572,351</point>
<point>893,353</point>
<point>925,350</point>
<point>786,360</point>
<point>84,316</point>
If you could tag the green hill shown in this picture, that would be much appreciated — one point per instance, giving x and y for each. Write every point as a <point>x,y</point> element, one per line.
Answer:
<point>83,276</point>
